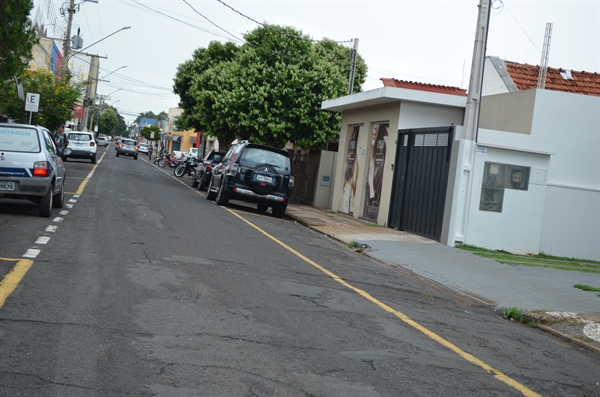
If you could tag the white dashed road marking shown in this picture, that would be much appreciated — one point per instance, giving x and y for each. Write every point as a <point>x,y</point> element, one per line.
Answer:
<point>31,253</point>
<point>42,240</point>
<point>51,229</point>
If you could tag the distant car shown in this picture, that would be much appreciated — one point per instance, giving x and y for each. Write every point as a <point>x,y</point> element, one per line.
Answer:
<point>30,167</point>
<point>83,146</point>
<point>128,147</point>
<point>255,173</point>
<point>193,152</point>
<point>102,141</point>
<point>143,148</point>
<point>179,156</point>
<point>204,173</point>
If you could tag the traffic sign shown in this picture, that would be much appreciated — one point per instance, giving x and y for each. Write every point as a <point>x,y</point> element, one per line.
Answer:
<point>32,102</point>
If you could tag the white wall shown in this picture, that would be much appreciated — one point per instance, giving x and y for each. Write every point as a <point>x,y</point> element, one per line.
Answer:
<point>323,192</point>
<point>422,115</point>
<point>567,126</point>
<point>518,227</point>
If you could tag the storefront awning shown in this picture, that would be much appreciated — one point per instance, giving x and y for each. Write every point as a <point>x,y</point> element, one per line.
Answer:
<point>174,138</point>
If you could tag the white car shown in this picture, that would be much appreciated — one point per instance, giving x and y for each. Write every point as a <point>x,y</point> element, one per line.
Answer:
<point>102,141</point>
<point>193,152</point>
<point>83,146</point>
<point>143,148</point>
<point>30,166</point>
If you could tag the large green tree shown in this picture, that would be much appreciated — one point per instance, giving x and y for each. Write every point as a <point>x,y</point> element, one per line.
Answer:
<point>17,37</point>
<point>58,96</point>
<point>268,90</point>
<point>108,121</point>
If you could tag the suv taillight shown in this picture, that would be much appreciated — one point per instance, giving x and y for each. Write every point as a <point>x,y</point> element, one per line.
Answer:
<point>291,182</point>
<point>92,144</point>
<point>41,168</point>
<point>233,170</point>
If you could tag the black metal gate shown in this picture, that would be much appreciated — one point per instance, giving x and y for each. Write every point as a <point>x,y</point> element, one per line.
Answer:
<point>420,180</point>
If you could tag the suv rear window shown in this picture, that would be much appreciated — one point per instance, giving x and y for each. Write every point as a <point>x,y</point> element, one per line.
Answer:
<point>16,139</point>
<point>129,142</point>
<point>80,137</point>
<point>254,156</point>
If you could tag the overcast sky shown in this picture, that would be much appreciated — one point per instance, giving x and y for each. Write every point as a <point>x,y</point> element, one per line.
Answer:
<point>422,41</point>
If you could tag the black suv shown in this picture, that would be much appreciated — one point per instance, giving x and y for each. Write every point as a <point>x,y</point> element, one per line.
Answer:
<point>256,173</point>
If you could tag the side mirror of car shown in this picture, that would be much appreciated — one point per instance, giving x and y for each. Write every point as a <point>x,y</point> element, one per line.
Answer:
<point>67,151</point>
<point>217,159</point>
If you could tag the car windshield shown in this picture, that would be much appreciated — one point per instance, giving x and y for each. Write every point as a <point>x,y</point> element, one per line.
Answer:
<point>254,156</point>
<point>80,137</point>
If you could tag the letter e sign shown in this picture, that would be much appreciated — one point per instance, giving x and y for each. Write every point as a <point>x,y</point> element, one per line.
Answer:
<point>32,102</point>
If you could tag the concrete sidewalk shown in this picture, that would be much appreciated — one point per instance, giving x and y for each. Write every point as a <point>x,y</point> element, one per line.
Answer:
<point>481,279</point>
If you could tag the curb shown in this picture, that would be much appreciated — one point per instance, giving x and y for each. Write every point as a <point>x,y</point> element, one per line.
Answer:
<point>569,338</point>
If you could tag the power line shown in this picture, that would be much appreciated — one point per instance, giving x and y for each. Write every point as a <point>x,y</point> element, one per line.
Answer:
<point>197,12</point>
<point>273,29</point>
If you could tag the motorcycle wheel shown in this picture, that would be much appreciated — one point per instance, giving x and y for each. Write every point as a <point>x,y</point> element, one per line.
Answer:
<point>179,171</point>
<point>162,163</point>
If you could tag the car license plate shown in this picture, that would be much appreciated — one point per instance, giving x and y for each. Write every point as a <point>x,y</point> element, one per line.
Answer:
<point>7,185</point>
<point>264,178</point>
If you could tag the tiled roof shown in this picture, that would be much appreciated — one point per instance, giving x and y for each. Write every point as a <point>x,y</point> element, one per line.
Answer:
<point>525,77</point>
<point>442,89</point>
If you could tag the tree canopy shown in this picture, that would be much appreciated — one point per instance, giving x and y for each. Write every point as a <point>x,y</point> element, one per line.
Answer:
<point>17,37</point>
<point>108,121</point>
<point>268,90</point>
<point>150,115</point>
<point>58,96</point>
<point>147,131</point>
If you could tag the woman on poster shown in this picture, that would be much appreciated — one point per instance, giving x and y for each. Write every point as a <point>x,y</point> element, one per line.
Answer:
<point>350,174</point>
<point>375,175</point>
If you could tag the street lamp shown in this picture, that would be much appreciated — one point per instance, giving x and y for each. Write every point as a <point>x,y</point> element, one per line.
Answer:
<point>116,70</point>
<point>104,38</point>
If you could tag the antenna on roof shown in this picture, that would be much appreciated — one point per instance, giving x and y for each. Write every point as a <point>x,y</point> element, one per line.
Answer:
<point>545,52</point>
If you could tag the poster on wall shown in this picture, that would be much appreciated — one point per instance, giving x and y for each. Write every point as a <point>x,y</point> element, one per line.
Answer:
<point>375,172</point>
<point>350,173</point>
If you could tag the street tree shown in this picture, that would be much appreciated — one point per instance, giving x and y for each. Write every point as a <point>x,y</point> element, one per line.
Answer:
<point>108,121</point>
<point>184,85</point>
<point>58,96</point>
<point>271,91</point>
<point>17,37</point>
<point>150,115</point>
<point>148,131</point>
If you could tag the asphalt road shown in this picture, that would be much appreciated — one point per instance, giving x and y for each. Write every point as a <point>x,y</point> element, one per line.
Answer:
<point>142,287</point>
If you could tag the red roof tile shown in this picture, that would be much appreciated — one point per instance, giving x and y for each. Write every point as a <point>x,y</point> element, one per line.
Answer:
<point>442,89</point>
<point>525,77</point>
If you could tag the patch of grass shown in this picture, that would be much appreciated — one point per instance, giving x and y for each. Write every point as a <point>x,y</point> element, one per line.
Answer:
<point>541,260</point>
<point>586,288</point>
<point>331,212</point>
<point>513,313</point>
<point>353,244</point>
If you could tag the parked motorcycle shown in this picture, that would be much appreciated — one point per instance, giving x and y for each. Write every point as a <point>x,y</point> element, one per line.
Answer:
<point>188,167</point>
<point>170,160</point>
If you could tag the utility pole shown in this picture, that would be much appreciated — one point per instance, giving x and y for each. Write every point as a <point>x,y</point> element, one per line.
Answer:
<point>67,41</point>
<point>353,67</point>
<point>92,87</point>
<point>471,121</point>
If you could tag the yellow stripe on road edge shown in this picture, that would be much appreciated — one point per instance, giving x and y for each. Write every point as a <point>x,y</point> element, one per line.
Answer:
<point>470,358</point>
<point>12,279</point>
<point>87,178</point>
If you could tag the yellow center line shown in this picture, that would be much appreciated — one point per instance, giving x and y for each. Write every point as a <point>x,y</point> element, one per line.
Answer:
<point>469,357</point>
<point>12,279</point>
<point>90,174</point>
